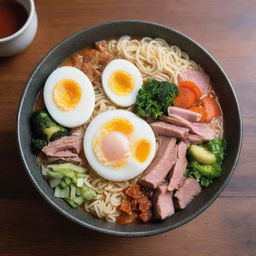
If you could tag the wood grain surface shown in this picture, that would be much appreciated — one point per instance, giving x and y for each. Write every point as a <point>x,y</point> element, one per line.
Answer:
<point>29,226</point>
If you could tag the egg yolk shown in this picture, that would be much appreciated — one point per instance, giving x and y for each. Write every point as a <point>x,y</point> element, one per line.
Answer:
<point>119,124</point>
<point>142,150</point>
<point>67,94</point>
<point>121,83</point>
<point>112,149</point>
<point>116,146</point>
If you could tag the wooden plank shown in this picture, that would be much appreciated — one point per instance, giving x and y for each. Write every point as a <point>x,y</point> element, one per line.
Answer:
<point>224,229</point>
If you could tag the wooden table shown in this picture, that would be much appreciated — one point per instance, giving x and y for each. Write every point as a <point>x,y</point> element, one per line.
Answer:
<point>29,226</point>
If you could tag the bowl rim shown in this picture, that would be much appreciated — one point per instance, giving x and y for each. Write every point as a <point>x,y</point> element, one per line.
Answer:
<point>143,233</point>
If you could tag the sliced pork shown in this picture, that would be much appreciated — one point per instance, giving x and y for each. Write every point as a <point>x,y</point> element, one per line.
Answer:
<point>201,129</point>
<point>185,113</point>
<point>185,194</point>
<point>163,203</point>
<point>165,129</point>
<point>65,149</point>
<point>200,78</point>
<point>162,164</point>
<point>177,174</point>
<point>72,143</point>
<point>75,160</point>
<point>195,139</point>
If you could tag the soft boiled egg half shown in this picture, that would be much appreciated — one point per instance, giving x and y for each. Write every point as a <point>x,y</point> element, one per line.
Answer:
<point>69,96</point>
<point>119,145</point>
<point>121,81</point>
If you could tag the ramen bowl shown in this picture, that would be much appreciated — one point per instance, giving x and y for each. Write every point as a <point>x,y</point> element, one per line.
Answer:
<point>87,37</point>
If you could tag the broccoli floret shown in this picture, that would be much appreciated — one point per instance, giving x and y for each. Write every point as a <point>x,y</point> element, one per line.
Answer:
<point>39,121</point>
<point>155,97</point>
<point>205,182</point>
<point>37,145</point>
<point>55,131</point>
<point>207,170</point>
<point>59,134</point>
<point>218,147</point>
<point>44,127</point>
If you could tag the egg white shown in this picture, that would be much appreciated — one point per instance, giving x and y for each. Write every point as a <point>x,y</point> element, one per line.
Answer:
<point>82,112</point>
<point>127,66</point>
<point>132,167</point>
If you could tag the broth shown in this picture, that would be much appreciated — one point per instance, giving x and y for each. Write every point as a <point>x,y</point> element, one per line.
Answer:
<point>13,16</point>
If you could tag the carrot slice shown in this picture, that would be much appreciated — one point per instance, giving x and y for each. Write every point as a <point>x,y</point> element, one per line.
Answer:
<point>185,98</point>
<point>201,111</point>
<point>192,86</point>
<point>211,108</point>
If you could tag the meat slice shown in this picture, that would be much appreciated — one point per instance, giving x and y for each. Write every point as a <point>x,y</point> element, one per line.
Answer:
<point>75,160</point>
<point>201,129</point>
<point>165,129</point>
<point>163,203</point>
<point>200,78</point>
<point>185,194</point>
<point>185,113</point>
<point>177,174</point>
<point>195,139</point>
<point>162,164</point>
<point>73,143</point>
<point>65,149</point>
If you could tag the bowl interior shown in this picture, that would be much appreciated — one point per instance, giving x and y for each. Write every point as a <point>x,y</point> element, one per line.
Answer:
<point>88,36</point>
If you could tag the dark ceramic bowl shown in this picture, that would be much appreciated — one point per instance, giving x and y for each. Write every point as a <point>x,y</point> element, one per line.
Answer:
<point>88,36</point>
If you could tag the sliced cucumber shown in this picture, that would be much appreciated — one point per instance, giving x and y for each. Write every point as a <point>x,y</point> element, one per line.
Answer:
<point>79,200</point>
<point>88,194</point>
<point>54,182</point>
<point>71,202</point>
<point>72,191</point>
<point>67,180</point>
<point>45,171</point>
<point>61,192</point>
<point>63,184</point>
<point>201,154</point>
<point>70,174</point>
<point>81,175</point>
<point>68,183</point>
<point>55,175</point>
<point>78,192</point>
<point>67,166</point>
<point>80,182</point>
